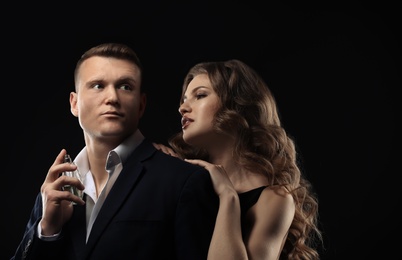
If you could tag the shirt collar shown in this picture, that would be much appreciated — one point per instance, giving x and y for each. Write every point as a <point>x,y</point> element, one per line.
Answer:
<point>129,145</point>
<point>117,155</point>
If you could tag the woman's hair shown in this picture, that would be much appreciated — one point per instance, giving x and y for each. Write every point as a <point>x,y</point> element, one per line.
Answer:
<point>249,115</point>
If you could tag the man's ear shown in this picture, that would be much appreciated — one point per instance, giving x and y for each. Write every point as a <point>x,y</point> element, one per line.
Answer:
<point>73,104</point>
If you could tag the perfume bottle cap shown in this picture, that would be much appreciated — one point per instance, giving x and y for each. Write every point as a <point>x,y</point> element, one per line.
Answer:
<point>67,158</point>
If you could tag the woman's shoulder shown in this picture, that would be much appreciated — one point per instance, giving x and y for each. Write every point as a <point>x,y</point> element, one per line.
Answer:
<point>275,201</point>
<point>249,198</point>
<point>272,212</point>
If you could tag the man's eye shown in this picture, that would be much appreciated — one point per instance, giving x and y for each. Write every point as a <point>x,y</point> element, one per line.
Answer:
<point>97,86</point>
<point>126,87</point>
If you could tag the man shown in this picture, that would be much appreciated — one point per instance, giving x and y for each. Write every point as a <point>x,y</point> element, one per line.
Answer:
<point>138,203</point>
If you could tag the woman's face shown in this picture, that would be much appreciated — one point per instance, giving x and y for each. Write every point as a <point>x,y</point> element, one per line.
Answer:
<point>200,103</point>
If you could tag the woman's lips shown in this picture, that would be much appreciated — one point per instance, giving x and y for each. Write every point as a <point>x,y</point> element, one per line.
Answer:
<point>185,121</point>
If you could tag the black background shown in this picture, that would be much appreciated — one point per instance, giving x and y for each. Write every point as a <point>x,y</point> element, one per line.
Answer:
<point>334,70</point>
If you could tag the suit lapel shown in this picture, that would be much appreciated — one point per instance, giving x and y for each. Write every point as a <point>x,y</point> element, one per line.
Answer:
<point>123,186</point>
<point>78,229</point>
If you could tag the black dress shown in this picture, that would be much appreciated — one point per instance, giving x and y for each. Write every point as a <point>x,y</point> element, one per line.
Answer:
<point>247,200</point>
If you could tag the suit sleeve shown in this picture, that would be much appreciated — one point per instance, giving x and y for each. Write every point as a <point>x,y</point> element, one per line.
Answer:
<point>196,215</point>
<point>31,247</point>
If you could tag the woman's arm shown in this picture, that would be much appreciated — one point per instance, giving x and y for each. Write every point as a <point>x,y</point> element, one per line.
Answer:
<point>226,242</point>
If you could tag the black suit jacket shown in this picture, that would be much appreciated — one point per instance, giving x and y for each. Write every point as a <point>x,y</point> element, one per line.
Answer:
<point>160,207</point>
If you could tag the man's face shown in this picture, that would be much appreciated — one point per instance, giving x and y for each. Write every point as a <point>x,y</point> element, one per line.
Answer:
<point>108,101</point>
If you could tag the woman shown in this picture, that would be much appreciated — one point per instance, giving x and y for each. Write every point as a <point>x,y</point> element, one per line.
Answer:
<point>231,126</point>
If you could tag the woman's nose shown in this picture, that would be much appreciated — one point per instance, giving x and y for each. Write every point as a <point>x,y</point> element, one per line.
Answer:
<point>183,109</point>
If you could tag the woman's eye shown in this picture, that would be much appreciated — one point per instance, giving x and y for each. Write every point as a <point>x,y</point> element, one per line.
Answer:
<point>199,96</point>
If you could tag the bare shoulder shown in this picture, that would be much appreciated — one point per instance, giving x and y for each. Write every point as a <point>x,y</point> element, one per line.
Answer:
<point>271,219</point>
<point>275,208</point>
<point>276,195</point>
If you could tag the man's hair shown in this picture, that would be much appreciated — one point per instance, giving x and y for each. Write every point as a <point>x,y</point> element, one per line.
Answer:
<point>111,50</point>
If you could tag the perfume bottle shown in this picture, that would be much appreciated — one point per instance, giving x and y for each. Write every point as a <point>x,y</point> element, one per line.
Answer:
<point>75,174</point>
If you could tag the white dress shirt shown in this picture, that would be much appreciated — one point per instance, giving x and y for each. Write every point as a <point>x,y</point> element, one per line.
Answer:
<point>114,165</point>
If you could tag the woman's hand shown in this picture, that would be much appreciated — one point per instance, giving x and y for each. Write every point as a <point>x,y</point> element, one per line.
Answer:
<point>166,149</point>
<point>220,178</point>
